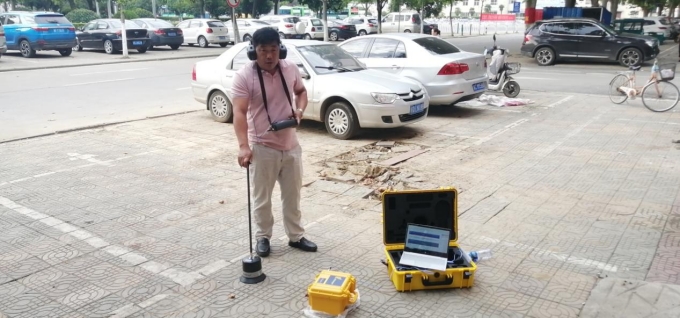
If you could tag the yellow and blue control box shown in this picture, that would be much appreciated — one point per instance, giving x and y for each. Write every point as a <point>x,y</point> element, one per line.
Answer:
<point>332,292</point>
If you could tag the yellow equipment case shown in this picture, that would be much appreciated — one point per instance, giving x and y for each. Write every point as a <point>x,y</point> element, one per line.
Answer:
<point>438,208</point>
<point>332,292</point>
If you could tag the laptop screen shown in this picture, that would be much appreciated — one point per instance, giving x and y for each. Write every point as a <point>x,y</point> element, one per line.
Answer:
<point>427,240</point>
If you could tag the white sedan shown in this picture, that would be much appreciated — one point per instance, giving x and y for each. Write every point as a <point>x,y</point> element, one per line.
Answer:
<point>449,74</point>
<point>342,93</point>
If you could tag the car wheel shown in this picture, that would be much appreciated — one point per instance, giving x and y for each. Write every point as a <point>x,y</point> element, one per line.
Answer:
<point>545,56</point>
<point>333,36</point>
<point>308,37</point>
<point>407,31</point>
<point>26,49</point>
<point>223,44</point>
<point>630,57</point>
<point>341,122</point>
<point>247,37</point>
<point>77,47</point>
<point>362,32</point>
<point>220,107</point>
<point>66,52</point>
<point>281,35</point>
<point>174,46</point>
<point>142,50</point>
<point>108,47</point>
<point>202,42</point>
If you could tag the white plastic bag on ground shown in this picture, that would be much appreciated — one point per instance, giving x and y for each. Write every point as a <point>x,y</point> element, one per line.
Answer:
<point>309,312</point>
<point>495,100</point>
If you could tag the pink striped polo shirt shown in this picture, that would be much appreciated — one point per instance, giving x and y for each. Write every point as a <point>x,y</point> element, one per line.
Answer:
<point>247,85</point>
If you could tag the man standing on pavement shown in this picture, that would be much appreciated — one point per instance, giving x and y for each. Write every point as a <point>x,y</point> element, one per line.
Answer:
<point>271,156</point>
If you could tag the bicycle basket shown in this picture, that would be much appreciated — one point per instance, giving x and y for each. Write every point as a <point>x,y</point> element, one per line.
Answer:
<point>513,68</point>
<point>667,71</point>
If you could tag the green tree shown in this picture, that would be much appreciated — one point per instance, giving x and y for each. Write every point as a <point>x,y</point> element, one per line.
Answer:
<point>261,7</point>
<point>487,8</point>
<point>472,12</point>
<point>500,8</point>
<point>81,16</point>
<point>457,12</point>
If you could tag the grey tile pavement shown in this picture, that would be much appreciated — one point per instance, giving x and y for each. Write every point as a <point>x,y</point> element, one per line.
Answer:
<point>153,222</point>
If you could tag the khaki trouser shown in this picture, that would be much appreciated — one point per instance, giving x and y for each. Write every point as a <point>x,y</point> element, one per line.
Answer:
<point>268,166</point>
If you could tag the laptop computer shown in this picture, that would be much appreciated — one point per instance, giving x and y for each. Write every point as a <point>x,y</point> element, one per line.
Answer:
<point>426,247</point>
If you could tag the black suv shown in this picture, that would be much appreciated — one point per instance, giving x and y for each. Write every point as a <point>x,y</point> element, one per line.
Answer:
<point>585,39</point>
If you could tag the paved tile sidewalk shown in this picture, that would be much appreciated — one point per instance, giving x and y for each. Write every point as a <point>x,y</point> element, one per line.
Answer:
<point>148,219</point>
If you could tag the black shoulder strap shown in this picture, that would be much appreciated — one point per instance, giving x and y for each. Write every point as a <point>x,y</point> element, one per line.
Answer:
<point>264,93</point>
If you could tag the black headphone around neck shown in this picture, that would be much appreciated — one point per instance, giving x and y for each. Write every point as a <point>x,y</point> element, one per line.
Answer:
<point>252,54</point>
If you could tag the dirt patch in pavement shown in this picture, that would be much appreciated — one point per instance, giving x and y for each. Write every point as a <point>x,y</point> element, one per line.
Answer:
<point>374,166</point>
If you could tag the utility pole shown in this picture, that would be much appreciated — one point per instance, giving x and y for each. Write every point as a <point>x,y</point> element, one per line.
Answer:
<point>481,10</point>
<point>325,20</point>
<point>234,26</point>
<point>153,8</point>
<point>109,11</point>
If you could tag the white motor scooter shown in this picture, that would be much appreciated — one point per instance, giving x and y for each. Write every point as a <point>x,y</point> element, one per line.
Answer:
<point>499,71</point>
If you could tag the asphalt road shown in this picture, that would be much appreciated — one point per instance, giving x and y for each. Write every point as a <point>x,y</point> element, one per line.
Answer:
<point>44,101</point>
<point>37,102</point>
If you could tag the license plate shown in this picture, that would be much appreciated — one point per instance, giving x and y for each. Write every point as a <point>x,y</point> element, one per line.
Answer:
<point>137,42</point>
<point>59,30</point>
<point>223,38</point>
<point>478,86</point>
<point>417,108</point>
<point>172,34</point>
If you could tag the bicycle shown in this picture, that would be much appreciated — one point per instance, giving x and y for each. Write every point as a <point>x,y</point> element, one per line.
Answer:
<point>622,87</point>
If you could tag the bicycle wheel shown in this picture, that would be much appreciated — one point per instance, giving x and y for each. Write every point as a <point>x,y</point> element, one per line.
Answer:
<point>616,95</point>
<point>660,96</point>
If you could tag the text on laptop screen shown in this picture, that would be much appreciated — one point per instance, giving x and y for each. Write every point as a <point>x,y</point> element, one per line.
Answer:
<point>428,239</point>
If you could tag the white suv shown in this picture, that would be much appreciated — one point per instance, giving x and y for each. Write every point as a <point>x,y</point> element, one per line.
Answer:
<point>205,32</point>
<point>364,25</point>
<point>290,26</point>
<point>660,25</point>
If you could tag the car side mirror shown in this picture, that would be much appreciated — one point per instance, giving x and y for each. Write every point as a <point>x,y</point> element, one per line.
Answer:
<point>303,73</point>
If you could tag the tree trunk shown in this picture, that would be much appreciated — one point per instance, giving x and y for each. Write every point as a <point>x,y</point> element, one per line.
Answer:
<point>671,10</point>
<point>594,3</point>
<point>71,4</point>
<point>422,16</point>
<point>254,9</point>
<point>659,10</point>
<point>379,9</point>
<point>570,3</point>
<point>276,6</point>
<point>615,8</point>
<point>324,8</point>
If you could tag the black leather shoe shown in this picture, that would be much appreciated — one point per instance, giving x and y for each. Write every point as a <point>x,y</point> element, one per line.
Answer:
<point>262,247</point>
<point>304,244</point>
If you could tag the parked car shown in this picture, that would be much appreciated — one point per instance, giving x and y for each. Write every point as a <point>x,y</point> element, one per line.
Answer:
<point>246,27</point>
<point>161,33</point>
<point>3,43</point>
<point>659,25</point>
<point>289,26</point>
<point>107,34</point>
<point>449,74</point>
<point>585,39</point>
<point>205,32</point>
<point>364,26</point>
<point>401,22</point>
<point>342,93</point>
<point>313,28</point>
<point>341,30</point>
<point>29,32</point>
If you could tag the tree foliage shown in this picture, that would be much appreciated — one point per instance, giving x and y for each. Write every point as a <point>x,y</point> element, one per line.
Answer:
<point>81,16</point>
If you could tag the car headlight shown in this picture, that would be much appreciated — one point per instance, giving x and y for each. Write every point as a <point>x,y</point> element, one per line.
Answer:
<point>651,43</point>
<point>384,98</point>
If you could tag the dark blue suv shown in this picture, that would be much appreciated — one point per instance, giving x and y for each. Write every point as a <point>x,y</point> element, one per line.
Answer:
<point>29,32</point>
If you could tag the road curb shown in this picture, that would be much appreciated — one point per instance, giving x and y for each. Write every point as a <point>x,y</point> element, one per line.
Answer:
<point>120,61</point>
<point>65,131</point>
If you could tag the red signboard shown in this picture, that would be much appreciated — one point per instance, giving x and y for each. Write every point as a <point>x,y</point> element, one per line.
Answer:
<point>497,17</point>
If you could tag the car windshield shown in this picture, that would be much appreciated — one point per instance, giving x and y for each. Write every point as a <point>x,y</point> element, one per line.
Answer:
<point>128,24</point>
<point>51,19</point>
<point>159,23</point>
<point>329,58</point>
<point>373,21</point>
<point>436,46</point>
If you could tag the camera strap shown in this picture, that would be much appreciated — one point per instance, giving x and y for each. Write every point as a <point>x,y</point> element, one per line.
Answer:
<point>264,93</point>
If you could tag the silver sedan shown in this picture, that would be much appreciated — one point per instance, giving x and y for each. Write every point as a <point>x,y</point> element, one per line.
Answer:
<point>449,74</point>
<point>342,93</point>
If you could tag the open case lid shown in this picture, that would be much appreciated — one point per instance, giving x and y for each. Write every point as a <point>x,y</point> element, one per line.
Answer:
<point>438,208</point>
